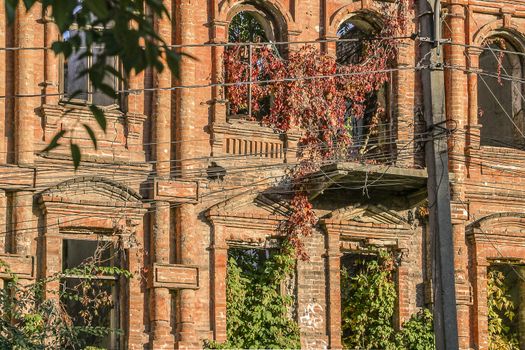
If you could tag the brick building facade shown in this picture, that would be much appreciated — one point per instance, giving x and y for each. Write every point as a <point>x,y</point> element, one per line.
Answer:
<point>150,177</point>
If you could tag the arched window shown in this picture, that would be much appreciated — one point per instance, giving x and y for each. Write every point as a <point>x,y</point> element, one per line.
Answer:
<point>500,96</point>
<point>252,25</point>
<point>370,132</point>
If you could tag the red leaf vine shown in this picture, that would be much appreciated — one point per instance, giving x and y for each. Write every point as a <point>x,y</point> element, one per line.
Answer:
<point>309,90</point>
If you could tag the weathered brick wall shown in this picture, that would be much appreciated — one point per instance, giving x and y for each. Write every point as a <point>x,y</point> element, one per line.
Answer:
<point>187,224</point>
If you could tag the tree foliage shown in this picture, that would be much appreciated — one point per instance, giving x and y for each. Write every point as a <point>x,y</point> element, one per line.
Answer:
<point>30,319</point>
<point>258,311</point>
<point>502,313</point>
<point>368,307</point>
<point>118,28</point>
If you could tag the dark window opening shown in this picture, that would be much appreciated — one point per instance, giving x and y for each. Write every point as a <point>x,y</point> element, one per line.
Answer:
<point>500,99</point>
<point>506,315</point>
<point>76,253</point>
<point>251,26</point>
<point>76,86</point>
<point>246,27</point>
<point>370,132</point>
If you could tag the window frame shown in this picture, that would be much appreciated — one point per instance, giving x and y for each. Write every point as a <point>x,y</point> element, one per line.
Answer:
<point>118,84</point>
<point>116,317</point>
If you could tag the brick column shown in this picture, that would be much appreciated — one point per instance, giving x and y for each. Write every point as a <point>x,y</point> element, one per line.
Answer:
<point>135,307</point>
<point>403,105</point>
<point>403,290</point>
<point>51,62</point>
<point>27,77</point>
<point>473,128</point>
<point>188,253</point>
<point>219,270</point>
<point>161,336</point>
<point>219,35</point>
<point>3,84</point>
<point>160,302</point>
<point>480,311</point>
<point>457,111</point>
<point>333,267</point>
<point>52,253</point>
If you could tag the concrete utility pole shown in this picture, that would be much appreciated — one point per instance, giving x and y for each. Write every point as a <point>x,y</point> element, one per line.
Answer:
<point>436,155</point>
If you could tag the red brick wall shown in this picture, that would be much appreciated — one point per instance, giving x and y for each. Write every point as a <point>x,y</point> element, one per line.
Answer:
<point>181,132</point>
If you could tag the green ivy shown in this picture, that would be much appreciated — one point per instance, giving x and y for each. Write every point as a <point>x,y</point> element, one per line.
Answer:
<point>368,307</point>
<point>417,333</point>
<point>502,313</point>
<point>258,312</point>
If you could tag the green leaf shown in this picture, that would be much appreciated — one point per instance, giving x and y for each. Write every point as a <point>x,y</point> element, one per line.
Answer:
<point>99,116</point>
<point>91,134</point>
<point>54,142</point>
<point>98,7</point>
<point>75,154</point>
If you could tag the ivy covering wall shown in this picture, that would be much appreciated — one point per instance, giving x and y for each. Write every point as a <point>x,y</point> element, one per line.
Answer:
<point>368,307</point>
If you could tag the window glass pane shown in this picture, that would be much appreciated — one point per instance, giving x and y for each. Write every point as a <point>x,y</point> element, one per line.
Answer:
<point>99,98</point>
<point>103,316</point>
<point>75,252</point>
<point>97,304</point>
<point>73,82</point>
<point>498,108</point>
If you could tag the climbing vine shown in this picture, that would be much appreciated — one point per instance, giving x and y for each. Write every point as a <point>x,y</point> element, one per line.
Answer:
<point>258,310</point>
<point>502,313</point>
<point>368,306</point>
<point>311,91</point>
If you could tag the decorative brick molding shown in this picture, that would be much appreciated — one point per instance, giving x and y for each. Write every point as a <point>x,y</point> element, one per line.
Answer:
<point>176,191</point>
<point>23,266</point>
<point>173,276</point>
<point>257,143</point>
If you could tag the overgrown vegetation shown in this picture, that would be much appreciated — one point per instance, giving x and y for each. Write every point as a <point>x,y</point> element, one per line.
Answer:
<point>258,312</point>
<point>311,90</point>
<point>30,319</point>
<point>503,323</point>
<point>368,307</point>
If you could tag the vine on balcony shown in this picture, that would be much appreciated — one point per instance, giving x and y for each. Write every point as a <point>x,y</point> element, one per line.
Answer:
<point>309,90</point>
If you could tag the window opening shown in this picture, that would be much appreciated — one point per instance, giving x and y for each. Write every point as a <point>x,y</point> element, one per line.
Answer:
<point>258,308</point>
<point>506,315</point>
<point>75,253</point>
<point>370,133</point>
<point>368,298</point>
<point>251,26</point>
<point>76,86</point>
<point>500,101</point>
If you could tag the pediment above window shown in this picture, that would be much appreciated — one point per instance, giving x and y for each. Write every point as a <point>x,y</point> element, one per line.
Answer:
<point>91,194</point>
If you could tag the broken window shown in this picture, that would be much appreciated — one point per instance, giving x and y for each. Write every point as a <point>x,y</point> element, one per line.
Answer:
<point>75,253</point>
<point>251,25</point>
<point>500,96</point>
<point>76,86</point>
<point>370,132</point>
<point>506,316</point>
